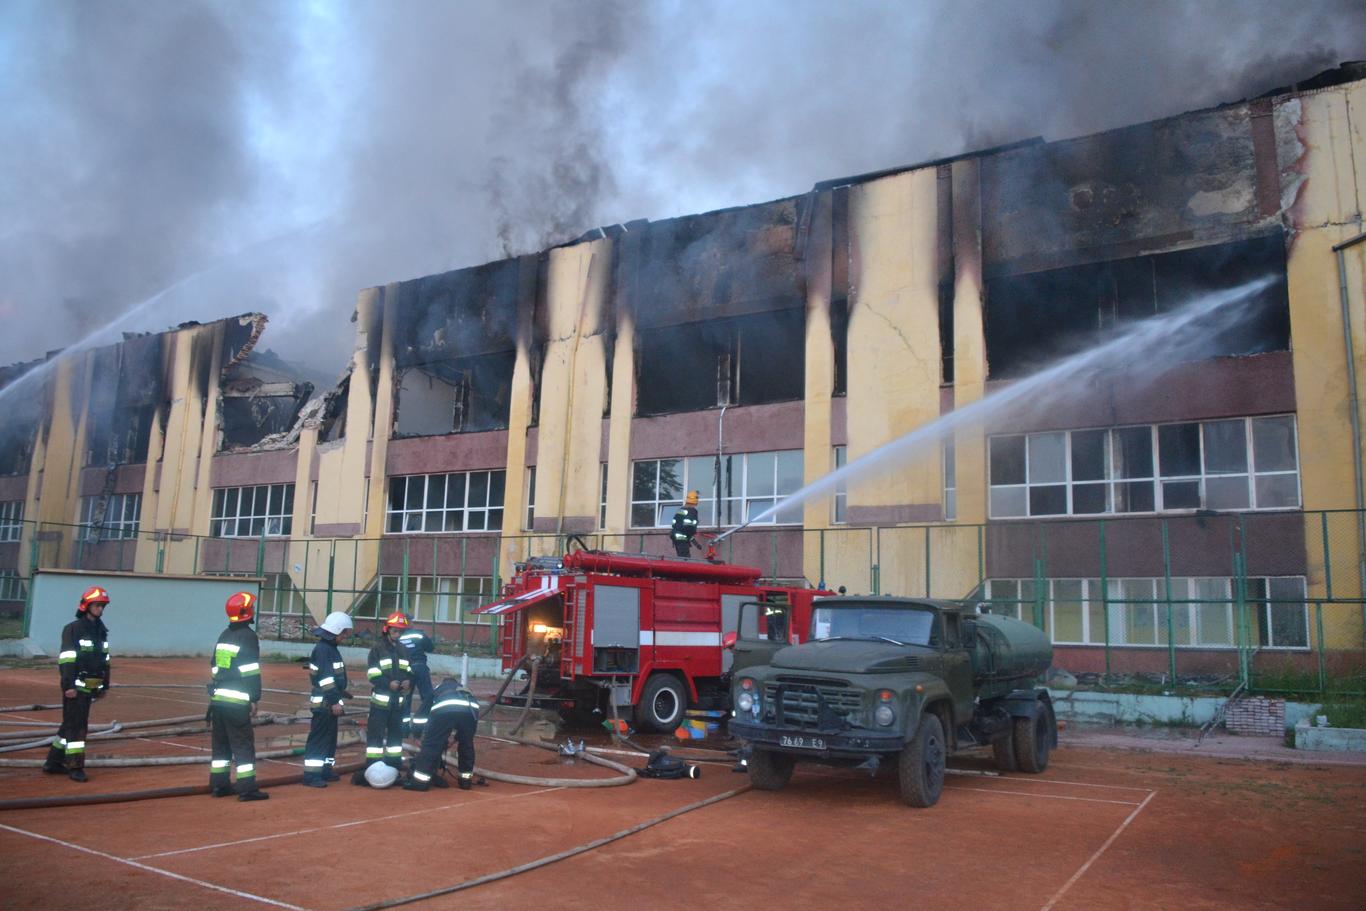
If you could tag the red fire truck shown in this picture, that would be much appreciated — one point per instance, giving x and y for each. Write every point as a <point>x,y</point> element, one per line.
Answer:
<point>645,632</point>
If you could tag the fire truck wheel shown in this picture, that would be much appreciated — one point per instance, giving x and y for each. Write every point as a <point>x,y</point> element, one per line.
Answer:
<point>662,703</point>
<point>769,771</point>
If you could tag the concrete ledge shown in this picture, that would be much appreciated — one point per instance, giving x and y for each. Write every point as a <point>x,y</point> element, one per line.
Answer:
<point>21,648</point>
<point>446,665</point>
<point>1325,740</point>
<point>1084,706</point>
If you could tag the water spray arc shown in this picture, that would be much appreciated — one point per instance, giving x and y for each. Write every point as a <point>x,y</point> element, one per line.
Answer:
<point>1156,344</point>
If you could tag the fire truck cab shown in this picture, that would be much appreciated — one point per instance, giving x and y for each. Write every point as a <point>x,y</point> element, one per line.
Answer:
<point>644,632</point>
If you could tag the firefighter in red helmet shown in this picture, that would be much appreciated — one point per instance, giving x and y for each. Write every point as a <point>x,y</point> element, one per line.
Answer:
<point>391,682</point>
<point>233,693</point>
<point>84,665</point>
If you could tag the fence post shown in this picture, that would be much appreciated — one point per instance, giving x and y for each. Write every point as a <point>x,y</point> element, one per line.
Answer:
<point>821,548</point>
<point>927,561</point>
<point>403,579</point>
<point>1240,586</point>
<point>773,554</point>
<point>1105,595</point>
<point>981,559</point>
<point>1167,576</point>
<point>436,588</point>
<point>460,589</point>
<point>261,554</point>
<point>194,569</point>
<point>161,553</point>
<point>32,573</point>
<point>331,573</point>
<point>1038,593</point>
<point>1323,670</point>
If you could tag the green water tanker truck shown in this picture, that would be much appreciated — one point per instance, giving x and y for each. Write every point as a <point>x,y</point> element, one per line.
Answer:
<point>901,680</point>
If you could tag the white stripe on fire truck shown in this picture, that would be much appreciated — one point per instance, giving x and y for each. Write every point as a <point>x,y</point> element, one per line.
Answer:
<point>676,638</point>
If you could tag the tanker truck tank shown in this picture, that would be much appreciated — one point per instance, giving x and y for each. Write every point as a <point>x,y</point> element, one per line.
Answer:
<point>1007,653</point>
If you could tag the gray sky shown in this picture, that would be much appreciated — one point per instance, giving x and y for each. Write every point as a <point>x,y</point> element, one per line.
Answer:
<point>280,156</point>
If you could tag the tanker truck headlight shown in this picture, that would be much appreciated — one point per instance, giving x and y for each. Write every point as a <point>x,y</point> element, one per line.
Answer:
<point>885,714</point>
<point>745,701</point>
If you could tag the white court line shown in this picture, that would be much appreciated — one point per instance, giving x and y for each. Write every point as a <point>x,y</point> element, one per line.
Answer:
<point>1079,784</point>
<point>1126,803</point>
<point>160,872</point>
<point>1094,857</point>
<point>190,746</point>
<point>343,825</point>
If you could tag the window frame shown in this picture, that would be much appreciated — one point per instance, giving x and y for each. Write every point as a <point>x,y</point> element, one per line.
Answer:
<point>735,506</point>
<point>1156,480</point>
<point>422,514</point>
<point>11,520</point>
<point>125,527</point>
<point>284,516</point>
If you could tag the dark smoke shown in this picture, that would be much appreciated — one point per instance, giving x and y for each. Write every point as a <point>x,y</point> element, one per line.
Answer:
<point>295,153</point>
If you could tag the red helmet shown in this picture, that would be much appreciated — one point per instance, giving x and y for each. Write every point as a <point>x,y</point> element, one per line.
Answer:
<point>95,595</point>
<point>396,620</point>
<point>241,606</point>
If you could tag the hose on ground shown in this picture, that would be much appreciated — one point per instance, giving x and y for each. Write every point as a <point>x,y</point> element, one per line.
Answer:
<point>103,733</point>
<point>118,730</point>
<point>553,858</point>
<point>625,775</point>
<point>29,708</point>
<point>78,800</point>
<point>193,686</point>
<point>126,762</point>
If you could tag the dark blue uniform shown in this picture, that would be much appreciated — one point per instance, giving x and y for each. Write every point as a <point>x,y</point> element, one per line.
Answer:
<point>454,709</point>
<point>327,673</point>
<point>415,645</point>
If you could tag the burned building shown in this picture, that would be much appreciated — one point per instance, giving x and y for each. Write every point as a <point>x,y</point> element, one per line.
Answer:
<point>1207,503</point>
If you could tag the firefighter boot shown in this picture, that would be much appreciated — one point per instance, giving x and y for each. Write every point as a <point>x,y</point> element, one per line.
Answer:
<point>78,775</point>
<point>254,795</point>
<point>412,784</point>
<point>466,780</point>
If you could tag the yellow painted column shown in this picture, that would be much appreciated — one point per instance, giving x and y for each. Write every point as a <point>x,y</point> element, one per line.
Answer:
<point>522,395</point>
<point>894,362</point>
<point>619,431</point>
<point>819,549</point>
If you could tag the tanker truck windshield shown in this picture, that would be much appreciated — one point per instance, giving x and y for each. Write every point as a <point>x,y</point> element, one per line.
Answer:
<point>899,625</point>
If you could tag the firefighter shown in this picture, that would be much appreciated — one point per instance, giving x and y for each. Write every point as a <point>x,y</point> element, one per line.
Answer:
<point>415,645</point>
<point>327,673</point>
<point>84,666</point>
<point>454,710</point>
<point>685,525</point>
<point>391,679</point>
<point>234,691</point>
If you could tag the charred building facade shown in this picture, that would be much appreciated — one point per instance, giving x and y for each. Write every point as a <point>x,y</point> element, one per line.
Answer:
<point>488,412</point>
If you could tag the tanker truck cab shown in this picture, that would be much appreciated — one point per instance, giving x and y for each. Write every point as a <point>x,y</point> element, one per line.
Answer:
<point>899,680</point>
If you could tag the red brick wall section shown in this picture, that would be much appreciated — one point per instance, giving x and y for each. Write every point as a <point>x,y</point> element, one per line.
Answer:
<point>1261,716</point>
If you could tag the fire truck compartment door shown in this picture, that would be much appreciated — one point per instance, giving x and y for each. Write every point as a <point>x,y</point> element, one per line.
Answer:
<point>521,602</point>
<point>616,617</point>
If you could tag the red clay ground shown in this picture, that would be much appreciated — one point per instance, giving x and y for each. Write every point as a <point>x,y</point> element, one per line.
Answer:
<point>1101,829</point>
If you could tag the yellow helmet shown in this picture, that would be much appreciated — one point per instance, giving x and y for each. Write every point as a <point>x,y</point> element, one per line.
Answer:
<point>692,498</point>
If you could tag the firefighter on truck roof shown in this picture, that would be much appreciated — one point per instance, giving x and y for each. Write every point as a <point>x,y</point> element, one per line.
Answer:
<point>84,666</point>
<point>327,674</point>
<point>685,525</point>
<point>454,710</point>
<point>391,679</point>
<point>233,693</point>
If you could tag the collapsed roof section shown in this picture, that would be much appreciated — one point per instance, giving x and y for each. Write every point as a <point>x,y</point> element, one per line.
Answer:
<point>262,398</point>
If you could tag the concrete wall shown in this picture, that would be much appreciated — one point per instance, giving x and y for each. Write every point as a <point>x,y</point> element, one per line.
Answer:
<point>147,615</point>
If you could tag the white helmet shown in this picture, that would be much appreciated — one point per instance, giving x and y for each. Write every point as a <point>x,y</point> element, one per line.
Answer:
<point>337,622</point>
<point>381,775</point>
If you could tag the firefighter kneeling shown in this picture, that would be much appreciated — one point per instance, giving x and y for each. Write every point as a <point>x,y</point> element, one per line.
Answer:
<point>454,709</point>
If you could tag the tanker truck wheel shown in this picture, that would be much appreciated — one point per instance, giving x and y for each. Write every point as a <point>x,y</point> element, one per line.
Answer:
<point>1003,752</point>
<point>921,766</point>
<point>1033,740</point>
<point>662,703</point>
<point>769,771</point>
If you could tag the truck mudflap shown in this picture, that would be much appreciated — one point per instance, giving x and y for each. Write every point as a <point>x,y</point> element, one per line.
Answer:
<point>1028,704</point>
<point>801,742</point>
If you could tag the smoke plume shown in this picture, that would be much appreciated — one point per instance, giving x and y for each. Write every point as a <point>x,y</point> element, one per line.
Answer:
<point>279,157</point>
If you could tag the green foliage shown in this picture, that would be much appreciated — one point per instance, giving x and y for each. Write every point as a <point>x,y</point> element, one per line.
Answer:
<point>1349,713</point>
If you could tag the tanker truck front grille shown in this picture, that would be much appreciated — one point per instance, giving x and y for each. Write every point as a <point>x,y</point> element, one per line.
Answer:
<point>809,705</point>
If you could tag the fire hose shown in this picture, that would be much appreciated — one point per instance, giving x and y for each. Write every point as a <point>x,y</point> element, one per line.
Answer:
<point>127,762</point>
<point>553,858</point>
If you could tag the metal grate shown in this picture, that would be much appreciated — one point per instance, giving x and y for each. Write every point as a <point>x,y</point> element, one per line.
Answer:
<point>803,702</point>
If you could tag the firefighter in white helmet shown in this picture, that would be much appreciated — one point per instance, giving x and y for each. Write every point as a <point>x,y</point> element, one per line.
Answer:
<point>327,673</point>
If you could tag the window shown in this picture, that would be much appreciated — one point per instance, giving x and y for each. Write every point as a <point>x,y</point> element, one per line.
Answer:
<point>1204,610</point>
<point>602,505</point>
<point>749,484</point>
<point>1238,464</point>
<point>11,520</point>
<point>442,599</point>
<point>12,586</point>
<point>841,509</point>
<point>120,516</point>
<point>250,512</point>
<point>530,499</point>
<point>280,596</point>
<point>431,503</point>
<point>950,483</point>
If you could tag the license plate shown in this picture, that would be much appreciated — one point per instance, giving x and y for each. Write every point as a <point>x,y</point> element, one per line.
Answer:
<point>802,743</point>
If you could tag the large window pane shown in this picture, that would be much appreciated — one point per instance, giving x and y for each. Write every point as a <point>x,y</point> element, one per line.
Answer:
<point>1048,501</point>
<point>1133,452</point>
<point>1273,443</point>
<point>1228,492</point>
<point>1134,496</point>
<point>1008,501</point>
<point>759,475</point>
<point>643,477</point>
<point>671,479</point>
<point>1067,610</point>
<point>1225,447</point>
<point>1181,495</point>
<point>1178,449</point>
<point>1007,460</point>
<point>1088,455</point>
<point>1214,613</point>
<point>789,467</point>
<point>1088,499</point>
<point>1047,457</point>
<point>1278,491</point>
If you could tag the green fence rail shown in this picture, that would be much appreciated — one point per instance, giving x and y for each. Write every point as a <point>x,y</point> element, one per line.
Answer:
<point>1188,603</point>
